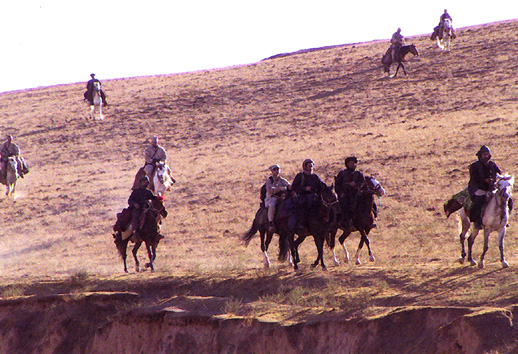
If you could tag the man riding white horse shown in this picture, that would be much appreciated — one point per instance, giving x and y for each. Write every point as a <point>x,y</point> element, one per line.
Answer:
<point>90,89</point>
<point>8,149</point>
<point>439,30</point>
<point>483,174</point>
<point>154,154</point>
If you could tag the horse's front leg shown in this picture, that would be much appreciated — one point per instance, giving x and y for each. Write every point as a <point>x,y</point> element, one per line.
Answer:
<point>134,251</point>
<point>501,236</point>
<point>341,239</point>
<point>368,243</point>
<point>266,238</point>
<point>360,246</point>
<point>486,247</point>
<point>92,112</point>
<point>319,243</point>
<point>471,241</point>
<point>151,255</point>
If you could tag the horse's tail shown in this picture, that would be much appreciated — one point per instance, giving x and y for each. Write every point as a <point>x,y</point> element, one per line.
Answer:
<point>249,235</point>
<point>284,247</point>
<point>120,244</point>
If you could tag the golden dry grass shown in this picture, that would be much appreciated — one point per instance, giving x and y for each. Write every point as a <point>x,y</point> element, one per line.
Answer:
<point>223,128</point>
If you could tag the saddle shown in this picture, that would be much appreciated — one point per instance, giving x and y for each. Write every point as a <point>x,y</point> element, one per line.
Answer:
<point>123,220</point>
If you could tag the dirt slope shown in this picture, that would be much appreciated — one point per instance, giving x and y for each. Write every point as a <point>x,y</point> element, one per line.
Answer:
<point>222,128</point>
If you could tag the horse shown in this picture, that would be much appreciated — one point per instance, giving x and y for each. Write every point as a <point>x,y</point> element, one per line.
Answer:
<point>445,35</point>
<point>12,175</point>
<point>96,101</point>
<point>162,179</point>
<point>363,220</point>
<point>317,221</point>
<point>260,224</point>
<point>495,217</point>
<point>387,59</point>
<point>149,233</point>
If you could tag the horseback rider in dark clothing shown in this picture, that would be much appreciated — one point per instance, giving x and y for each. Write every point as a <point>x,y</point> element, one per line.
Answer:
<point>308,187</point>
<point>90,89</point>
<point>347,187</point>
<point>483,174</point>
<point>136,201</point>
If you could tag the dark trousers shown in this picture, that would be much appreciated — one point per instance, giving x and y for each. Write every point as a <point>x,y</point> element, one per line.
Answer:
<point>476,208</point>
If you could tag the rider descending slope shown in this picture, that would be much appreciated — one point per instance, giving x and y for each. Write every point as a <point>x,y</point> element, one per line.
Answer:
<point>90,89</point>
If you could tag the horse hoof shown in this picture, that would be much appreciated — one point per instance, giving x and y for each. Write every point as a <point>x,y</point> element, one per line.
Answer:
<point>336,262</point>
<point>461,260</point>
<point>372,259</point>
<point>481,265</point>
<point>358,262</point>
<point>324,268</point>
<point>505,264</point>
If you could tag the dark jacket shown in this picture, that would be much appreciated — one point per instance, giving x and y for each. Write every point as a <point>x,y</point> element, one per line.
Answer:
<point>342,186</point>
<point>478,172</point>
<point>303,180</point>
<point>140,196</point>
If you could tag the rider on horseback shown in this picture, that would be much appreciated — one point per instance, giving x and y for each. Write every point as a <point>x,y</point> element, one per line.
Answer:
<point>275,186</point>
<point>8,149</point>
<point>443,17</point>
<point>347,187</point>
<point>136,202</point>
<point>308,187</point>
<point>90,90</point>
<point>154,153</point>
<point>483,174</point>
<point>397,41</point>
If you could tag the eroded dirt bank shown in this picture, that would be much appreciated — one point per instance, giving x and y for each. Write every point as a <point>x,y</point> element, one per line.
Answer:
<point>117,323</point>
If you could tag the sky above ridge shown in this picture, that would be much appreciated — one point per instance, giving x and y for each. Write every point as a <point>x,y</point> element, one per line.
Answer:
<point>50,42</point>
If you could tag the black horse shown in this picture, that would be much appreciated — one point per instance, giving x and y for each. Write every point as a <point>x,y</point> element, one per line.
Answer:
<point>149,234</point>
<point>363,219</point>
<point>400,58</point>
<point>317,221</point>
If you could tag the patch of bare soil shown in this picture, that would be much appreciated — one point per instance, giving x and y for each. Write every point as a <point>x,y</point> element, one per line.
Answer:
<point>62,285</point>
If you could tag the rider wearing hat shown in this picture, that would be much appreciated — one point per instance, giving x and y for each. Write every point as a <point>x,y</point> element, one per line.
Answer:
<point>136,202</point>
<point>443,17</point>
<point>275,186</point>
<point>482,174</point>
<point>308,186</point>
<point>347,186</point>
<point>90,89</point>
<point>154,153</point>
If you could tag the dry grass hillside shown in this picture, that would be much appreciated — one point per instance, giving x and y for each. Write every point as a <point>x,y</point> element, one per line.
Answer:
<point>222,129</point>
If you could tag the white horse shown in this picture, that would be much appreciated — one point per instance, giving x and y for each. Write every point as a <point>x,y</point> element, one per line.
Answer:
<point>12,175</point>
<point>444,39</point>
<point>162,179</point>
<point>97,101</point>
<point>494,218</point>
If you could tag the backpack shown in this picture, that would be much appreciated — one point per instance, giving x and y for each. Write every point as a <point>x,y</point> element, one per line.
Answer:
<point>263,190</point>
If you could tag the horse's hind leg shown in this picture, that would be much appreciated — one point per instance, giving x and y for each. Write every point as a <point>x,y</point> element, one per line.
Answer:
<point>341,239</point>
<point>471,241</point>
<point>134,251</point>
<point>464,230</point>
<point>151,255</point>
<point>319,242</point>
<point>266,238</point>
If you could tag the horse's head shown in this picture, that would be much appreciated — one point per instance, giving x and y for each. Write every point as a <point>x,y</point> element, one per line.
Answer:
<point>413,49</point>
<point>505,186</point>
<point>373,185</point>
<point>97,86</point>
<point>447,23</point>
<point>12,164</point>
<point>328,194</point>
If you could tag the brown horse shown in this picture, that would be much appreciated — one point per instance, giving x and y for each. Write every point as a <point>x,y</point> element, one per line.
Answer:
<point>362,221</point>
<point>149,234</point>
<point>400,58</point>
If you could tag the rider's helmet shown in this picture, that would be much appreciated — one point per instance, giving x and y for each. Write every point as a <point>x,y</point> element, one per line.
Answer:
<point>482,150</point>
<point>351,158</point>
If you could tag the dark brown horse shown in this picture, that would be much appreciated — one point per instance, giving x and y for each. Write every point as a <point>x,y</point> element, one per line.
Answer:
<point>317,222</point>
<point>362,221</point>
<point>400,58</point>
<point>260,224</point>
<point>149,234</point>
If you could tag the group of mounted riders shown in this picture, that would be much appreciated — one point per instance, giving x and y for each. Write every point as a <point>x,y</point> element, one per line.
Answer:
<point>397,41</point>
<point>305,191</point>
